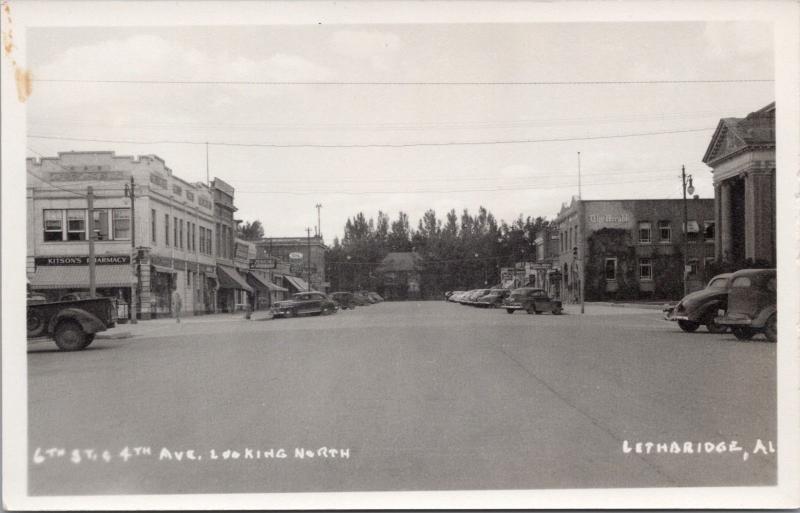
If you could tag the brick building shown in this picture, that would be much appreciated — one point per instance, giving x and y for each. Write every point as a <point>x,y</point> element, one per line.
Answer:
<point>742,155</point>
<point>304,255</point>
<point>633,248</point>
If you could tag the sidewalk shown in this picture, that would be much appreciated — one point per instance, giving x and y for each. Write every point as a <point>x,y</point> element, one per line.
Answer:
<point>128,330</point>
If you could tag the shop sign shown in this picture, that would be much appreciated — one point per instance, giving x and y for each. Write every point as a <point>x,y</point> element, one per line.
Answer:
<point>82,260</point>
<point>263,263</point>
<point>242,251</point>
<point>295,255</point>
<point>296,269</point>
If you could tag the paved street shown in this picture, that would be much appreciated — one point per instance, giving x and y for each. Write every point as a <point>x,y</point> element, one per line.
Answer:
<point>419,395</point>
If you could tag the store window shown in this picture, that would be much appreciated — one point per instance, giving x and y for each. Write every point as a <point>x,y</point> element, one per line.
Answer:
<point>708,231</point>
<point>100,225</point>
<point>76,224</point>
<point>53,225</point>
<point>645,236</point>
<point>122,223</point>
<point>664,231</point>
<point>611,269</point>
<point>645,269</point>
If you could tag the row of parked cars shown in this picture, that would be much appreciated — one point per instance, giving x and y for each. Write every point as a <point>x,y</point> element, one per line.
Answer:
<point>319,303</point>
<point>528,299</point>
<point>744,302</point>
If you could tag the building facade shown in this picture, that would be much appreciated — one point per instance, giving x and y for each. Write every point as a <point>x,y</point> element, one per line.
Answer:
<point>159,242</point>
<point>742,157</point>
<point>234,291</point>
<point>634,249</point>
<point>305,257</point>
<point>400,276</point>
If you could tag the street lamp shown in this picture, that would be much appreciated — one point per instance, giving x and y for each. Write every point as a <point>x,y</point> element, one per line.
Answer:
<point>130,192</point>
<point>690,189</point>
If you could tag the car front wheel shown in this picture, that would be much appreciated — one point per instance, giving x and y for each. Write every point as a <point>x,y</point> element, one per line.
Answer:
<point>688,326</point>
<point>510,310</point>
<point>743,333</point>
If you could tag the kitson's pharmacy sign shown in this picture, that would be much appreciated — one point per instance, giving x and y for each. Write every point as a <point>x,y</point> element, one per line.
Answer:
<point>83,260</point>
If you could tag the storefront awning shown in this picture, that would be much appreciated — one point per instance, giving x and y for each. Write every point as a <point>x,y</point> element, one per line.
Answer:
<point>77,277</point>
<point>263,283</point>
<point>299,284</point>
<point>229,278</point>
<point>162,269</point>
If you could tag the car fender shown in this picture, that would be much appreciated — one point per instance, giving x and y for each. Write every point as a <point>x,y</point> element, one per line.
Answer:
<point>703,310</point>
<point>761,318</point>
<point>89,322</point>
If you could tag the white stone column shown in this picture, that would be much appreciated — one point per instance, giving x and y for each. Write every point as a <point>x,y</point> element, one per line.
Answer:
<point>725,228</point>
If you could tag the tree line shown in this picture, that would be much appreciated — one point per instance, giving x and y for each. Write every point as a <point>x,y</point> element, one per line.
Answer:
<point>457,252</point>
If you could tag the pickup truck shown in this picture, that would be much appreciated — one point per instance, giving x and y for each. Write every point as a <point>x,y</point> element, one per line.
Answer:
<point>71,324</point>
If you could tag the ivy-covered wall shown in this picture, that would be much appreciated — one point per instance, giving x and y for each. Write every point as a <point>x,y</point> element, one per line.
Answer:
<point>605,243</point>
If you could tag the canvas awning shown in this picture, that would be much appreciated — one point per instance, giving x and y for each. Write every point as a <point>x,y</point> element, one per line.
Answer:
<point>162,269</point>
<point>77,277</point>
<point>263,283</point>
<point>299,284</point>
<point>229,278</point>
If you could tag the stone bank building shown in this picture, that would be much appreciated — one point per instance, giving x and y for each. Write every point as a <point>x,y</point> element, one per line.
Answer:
<point>633,249</point>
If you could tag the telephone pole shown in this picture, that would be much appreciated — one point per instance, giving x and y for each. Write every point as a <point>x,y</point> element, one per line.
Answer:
<point>90,208</point>
<point>684,176</point>
<point>308,264</point>
<point>319,223</point>
<point>134,256</point>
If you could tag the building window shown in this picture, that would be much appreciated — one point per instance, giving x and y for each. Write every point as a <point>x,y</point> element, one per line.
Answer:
<point>180,234</point>
<point>202,240</point>
<point>76,224</point>
<point>645,269</point>
<point>693,266</point>
<point>611,269</point>
<point>217,237</point>
<point>644,233</point>
<point>101,225</point>
<point>188,278</point>
<point>175,238</point>
<point>708,231</point>
<point>194,237</point>
<point>122,223</point>
<point>166,229</point>
<point>153,224</point>
<point>693,230</point>
<point>664,231</point>
<point>53,225</point>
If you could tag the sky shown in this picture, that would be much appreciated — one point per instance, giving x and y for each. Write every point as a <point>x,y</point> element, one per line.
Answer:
<point>415,162</point>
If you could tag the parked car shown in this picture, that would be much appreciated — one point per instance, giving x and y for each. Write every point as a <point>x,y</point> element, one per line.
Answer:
<point>455,295</point>
<point>343,300</point>
<point>531,300</point>
<point>375,296</point>
<point>494,298</point>
<point>475,295</point>
<point>702,307</point>
<point>71,324</point>
<point>752,304</point>
<point>365,297</point>
<point>305,303</point>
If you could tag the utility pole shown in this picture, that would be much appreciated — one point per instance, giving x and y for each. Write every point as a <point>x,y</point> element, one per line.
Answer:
<point>581,220</point>
<point>686,229</point>
<point>90,208</point>
<point>134,289</point>
<point>208,179</point>
<point>319,223</point>
<point>308,264</point>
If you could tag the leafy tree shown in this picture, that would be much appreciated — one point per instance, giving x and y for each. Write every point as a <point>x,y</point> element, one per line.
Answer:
<point>251,230</point>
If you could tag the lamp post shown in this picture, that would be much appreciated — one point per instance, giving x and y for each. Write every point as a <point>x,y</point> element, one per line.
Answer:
<point>690,190</point>
<point>90,208</point>
<point>130,193</point>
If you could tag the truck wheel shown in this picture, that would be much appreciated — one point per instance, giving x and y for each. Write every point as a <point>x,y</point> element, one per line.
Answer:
<point>743,333</point>
<point>556,311</point>
<point>510,310</point>
<point>35,323</point>
<point>689,326</point>
<point>69,336</point>
<point>530,310</point>
<point>771,328</point>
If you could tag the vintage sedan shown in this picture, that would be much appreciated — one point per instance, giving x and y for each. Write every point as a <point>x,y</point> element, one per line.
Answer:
<point>752,304</point>
<point>531,300</point>
<point>303,303</point>
<point>702,307</point>
<point>494,298</point>
<point>475,295</point>
<point>344,300</point>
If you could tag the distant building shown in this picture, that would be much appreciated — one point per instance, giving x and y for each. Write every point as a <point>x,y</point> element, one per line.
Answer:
<point>546,271</point>
<point>633,248</point>
<point>399,276</point>
<point>234,291</point>
<point>742,155</point>
<point>172,247</point>
<point>305,257</point>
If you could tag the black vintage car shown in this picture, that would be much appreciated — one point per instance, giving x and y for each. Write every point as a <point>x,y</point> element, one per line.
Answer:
<point>345,300</point>
<point>702,307</point>
<point>752,304</point>
<point>531,300</point>
<point>305,303</point>
<point>494,299</point>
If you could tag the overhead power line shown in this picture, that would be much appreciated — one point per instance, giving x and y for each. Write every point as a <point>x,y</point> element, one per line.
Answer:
<point>399,83</point>
<point>371,145</point>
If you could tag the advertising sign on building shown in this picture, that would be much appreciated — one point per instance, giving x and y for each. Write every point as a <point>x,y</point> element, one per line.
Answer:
<point>263,263</point>
<point>82,260</point>
<point>295,255</point>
